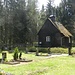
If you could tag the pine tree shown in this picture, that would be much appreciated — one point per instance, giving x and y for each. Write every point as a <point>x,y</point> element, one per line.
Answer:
<point>66,14</point>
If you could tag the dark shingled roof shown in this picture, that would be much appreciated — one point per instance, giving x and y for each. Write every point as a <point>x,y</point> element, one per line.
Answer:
<point>61,28</point>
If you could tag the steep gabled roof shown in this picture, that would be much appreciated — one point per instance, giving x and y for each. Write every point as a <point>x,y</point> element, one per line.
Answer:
<point>61,28</point>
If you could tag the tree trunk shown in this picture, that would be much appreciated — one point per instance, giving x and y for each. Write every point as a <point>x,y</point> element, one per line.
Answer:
<point>2,46</point>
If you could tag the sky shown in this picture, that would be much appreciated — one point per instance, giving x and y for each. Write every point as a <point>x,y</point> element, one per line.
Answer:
<point>41,2</point>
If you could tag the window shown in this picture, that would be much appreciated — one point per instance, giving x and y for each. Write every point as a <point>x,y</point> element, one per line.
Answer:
<point>47,38</point>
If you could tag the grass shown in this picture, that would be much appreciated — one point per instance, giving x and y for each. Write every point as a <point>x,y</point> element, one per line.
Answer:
<point>42,65</point>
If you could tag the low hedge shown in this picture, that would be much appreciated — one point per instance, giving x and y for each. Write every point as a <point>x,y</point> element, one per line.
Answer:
<point>59,50</point>
<point>31,49</point>
<point>52,50</point>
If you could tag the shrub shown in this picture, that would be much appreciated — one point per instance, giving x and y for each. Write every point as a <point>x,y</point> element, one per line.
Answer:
<point>43,50</point>
<point>73,50</point>
<point>32,49</point>
<point>52,50</point>
<point>59,50</point>
<point>20,55</point>
<point>16,53</point>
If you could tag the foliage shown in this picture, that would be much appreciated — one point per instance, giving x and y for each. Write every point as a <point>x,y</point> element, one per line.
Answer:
<point>59,50</point>
<point>17,24</point>
<point>41,18</point>
<point>20,54</point>
<point>14,22</point>
<point>32,15</point>
<point>15,56</point>
<point>45,50</point>
<point>52,50</point>
<point>66,15</point>
<point>32,49</point>
<point>20,20</point>
<point>50,10</point>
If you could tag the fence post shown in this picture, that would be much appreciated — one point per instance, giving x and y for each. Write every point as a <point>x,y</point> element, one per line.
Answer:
<point>69,50</point>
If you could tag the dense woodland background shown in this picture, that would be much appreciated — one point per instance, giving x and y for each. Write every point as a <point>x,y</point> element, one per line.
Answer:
<point>20,20</point>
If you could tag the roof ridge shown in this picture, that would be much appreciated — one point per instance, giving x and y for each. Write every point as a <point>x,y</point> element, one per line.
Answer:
<point>54,23</point>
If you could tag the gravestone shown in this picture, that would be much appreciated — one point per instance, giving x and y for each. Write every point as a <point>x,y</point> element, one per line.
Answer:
<point>4,56</point>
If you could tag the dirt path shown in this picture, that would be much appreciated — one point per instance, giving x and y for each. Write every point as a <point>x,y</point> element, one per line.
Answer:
<point>41,57</point>
<point>58,55</point>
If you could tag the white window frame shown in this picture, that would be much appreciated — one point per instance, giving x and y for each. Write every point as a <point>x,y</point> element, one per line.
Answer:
<point>69,40</point>
<point>47,38</point>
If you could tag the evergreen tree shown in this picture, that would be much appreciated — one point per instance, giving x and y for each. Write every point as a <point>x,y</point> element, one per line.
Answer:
<point>66,14</point>
<point>50,10</point>
<point>42,17</point>
<point>13,22</point>
<point>32,14</point>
